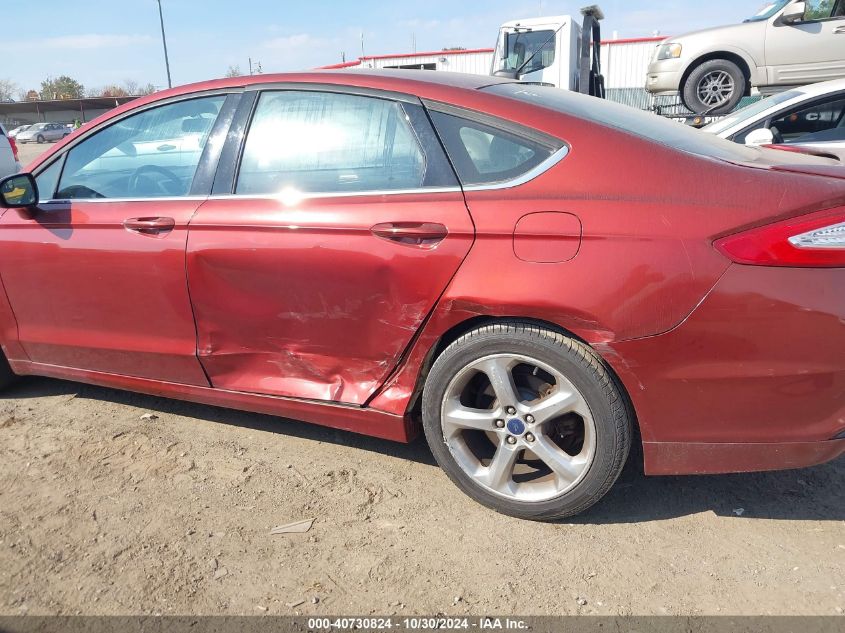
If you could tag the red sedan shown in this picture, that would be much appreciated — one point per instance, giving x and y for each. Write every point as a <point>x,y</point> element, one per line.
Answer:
<point>530,273</point>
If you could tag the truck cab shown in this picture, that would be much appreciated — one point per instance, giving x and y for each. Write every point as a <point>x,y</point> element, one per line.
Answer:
<point>539,50</point>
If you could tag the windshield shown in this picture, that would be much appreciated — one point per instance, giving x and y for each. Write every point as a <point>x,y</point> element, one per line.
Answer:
<point>768,10</point>
<point>749,113</point>
<point>515,48</point>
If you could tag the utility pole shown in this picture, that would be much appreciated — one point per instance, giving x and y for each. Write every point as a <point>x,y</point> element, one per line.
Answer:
<point>164,43</point>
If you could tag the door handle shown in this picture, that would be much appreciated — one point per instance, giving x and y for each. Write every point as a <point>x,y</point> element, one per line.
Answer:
<point>424,234</point>
<point>149,226</point>
<point>839,30</point>
<point>166,147</point>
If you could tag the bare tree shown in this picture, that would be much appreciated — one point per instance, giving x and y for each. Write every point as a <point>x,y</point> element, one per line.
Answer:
<point>8,90</point>
<point>234,71</point>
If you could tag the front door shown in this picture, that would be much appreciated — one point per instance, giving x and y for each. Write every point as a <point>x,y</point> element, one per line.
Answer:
<point>96,277</point>
<point>345,223</point>
<point>810,50</point>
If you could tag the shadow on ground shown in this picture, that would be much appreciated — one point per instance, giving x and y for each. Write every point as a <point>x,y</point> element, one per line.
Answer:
<point>809,494</point>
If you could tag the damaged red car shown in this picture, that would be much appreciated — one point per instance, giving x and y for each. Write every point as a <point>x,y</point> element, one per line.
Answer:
<point>534,278</point>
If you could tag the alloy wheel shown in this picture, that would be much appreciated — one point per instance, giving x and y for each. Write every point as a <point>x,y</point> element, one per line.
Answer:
<point>518,427</point>
<point>715,88</point>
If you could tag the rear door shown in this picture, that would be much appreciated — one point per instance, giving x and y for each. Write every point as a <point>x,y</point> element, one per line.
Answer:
<point>319,257</point>
<point>96,276</point>
<point>810,50</point>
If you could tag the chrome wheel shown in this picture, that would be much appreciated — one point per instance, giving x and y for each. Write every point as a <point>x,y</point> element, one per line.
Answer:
<point>518,427</point>
<point>715,88</point>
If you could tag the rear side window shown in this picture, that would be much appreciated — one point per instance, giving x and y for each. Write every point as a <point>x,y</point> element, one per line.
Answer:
<point>485,152</point>
<point>326,142</point>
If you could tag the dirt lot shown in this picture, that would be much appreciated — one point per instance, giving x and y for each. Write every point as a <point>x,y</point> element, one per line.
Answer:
<point>29,151</point>
<point>105,512</point>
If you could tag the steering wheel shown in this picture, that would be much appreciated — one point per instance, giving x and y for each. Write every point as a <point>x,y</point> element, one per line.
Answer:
<point>137,175</point>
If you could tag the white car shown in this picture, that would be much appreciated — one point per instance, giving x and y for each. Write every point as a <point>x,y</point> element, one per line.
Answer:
<point>21,128</point>
<point>8,155</point>
<point>811,117</point>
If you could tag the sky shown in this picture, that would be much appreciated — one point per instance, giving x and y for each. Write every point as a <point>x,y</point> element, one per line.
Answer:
<point>102,42</point>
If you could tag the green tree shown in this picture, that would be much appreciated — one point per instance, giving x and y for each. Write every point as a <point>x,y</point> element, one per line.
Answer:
<point>63,87</point>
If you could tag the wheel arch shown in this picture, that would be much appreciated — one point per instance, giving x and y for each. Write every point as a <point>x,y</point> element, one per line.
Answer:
<point>457,330</point>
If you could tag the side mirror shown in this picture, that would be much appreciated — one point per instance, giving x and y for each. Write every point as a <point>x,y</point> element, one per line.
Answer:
<point>793,13</point>
<point>18,191</point>
<point>762,136</point>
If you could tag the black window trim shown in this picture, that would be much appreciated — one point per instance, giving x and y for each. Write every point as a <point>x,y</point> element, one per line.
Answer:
<point>84,135</point>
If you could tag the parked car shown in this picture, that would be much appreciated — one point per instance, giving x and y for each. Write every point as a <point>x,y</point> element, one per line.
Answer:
<point>21,128</point>
<point>43,132</point>
<point>787,43</point>
<point>381,251</point>
<point>9,163</point>
<point>812,117</point>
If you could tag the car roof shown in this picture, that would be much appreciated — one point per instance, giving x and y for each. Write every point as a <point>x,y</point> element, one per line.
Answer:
<point>387,78</point>
<point>822,88</point>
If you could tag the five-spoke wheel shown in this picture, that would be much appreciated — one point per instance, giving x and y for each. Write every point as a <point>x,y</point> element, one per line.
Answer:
<point>518,426</point>
<point>526,420</point>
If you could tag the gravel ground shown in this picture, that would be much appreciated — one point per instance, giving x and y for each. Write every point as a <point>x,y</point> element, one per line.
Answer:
<point>118,503</point>
<point>30,151</point>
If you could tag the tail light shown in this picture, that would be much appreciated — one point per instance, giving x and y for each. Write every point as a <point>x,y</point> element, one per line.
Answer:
<point>816,240</point>
<point>14,148</point>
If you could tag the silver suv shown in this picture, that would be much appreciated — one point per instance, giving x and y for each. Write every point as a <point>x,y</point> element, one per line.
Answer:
<point>787,43</point>
<point>43,132</point>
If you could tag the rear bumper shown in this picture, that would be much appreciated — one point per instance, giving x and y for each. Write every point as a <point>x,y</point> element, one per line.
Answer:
<point>678,458</point>
<point>753,379</point>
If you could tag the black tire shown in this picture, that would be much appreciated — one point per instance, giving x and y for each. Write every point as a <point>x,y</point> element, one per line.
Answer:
<point>706,72</point>
<point>39,140</point>
<point>582,367</point>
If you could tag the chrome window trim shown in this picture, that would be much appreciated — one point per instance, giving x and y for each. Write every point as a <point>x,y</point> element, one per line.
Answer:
<point>528,176</point>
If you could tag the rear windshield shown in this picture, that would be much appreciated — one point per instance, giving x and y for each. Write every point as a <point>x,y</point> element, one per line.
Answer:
<point>627,119</point>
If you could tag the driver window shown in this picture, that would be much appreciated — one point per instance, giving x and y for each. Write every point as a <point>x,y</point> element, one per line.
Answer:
<point>152,154</point>
<point>818,122</point>
<point>821,10</point>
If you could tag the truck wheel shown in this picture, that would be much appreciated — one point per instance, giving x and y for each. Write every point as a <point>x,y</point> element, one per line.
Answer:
<point>714,87</point>
<point>526,421</point>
